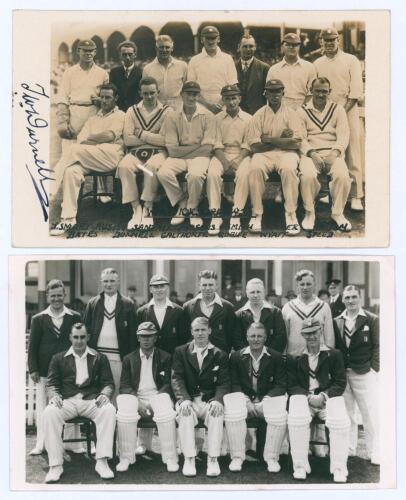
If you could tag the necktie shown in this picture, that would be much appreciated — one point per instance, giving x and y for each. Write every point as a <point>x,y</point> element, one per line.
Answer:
<point>245,67</point>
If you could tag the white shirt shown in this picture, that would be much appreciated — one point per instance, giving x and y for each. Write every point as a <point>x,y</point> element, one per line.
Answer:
<point>201,352</point>
<point>57,319</point>
<point>349,324</point>
<point>160,311</point>
<point>333,299</point>
<point>207,309</point>
<point>313,361</point>
<point>79,85</point>
<point>128,70</point>
<point>245,65</point>
<point>110,302</point>
<point>107,342</point>
<point>231,131</point>
<point>255,364</point>
<point>147,385</point>
<point>296,77</point>
<point>247,307</point>
<point>170,79</point>
<point>212,73</point>
<point>109,122</point>
<point>82,373</point>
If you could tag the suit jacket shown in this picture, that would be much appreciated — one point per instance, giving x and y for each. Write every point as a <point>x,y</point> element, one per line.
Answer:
<point>45,340</point>
<point>254,97</point>
<point>337,307</point>
<point>62,376</point>
<point>124,318</point>
<point>188,381</point>
<point>225,333</point>
<point>363,351</point>
<point>330,373</point>
<point>275,327</point>
<point>128,88</point>
<point>272,378</point>
<point>173,332</point>
<point>161,372</point>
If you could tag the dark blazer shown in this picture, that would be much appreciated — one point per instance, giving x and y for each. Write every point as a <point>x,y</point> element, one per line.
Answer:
<point>330,373</point>
<point>45,340</point>
<point>212,381</point>
<point>337,307</point>
<point>253,98</point>
<point>272,319</point>
<point>62,377</point>
<point>125,321</point>
<point>174,330</point>
<point>225,333</point>
<point>272,378</point>
<point>131,370</point>
<point>128,88</point>
<point>363,351</point>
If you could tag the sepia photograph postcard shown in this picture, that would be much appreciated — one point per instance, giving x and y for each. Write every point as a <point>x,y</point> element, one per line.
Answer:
<point>202,373</point>
<point>201,129</point>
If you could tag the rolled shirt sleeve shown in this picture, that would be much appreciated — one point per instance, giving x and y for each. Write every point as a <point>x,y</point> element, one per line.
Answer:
<point>254,129</point>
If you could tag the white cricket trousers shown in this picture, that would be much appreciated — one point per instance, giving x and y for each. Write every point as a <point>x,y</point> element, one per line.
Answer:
<point>54,418</point>
<point>186,428</point>
<point>283,162</point>
<point>340,184</point>
<point>363,390</point>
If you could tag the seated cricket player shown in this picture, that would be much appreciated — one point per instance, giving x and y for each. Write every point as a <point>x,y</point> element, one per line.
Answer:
<point>200,379</point>
<point>99,148</point>
<point>274,138</point>
<point>316,384</point>
<point>80,384</point>
<point>231,155</point>
<point>189,138</point>
<point>325,137</point>
<point>144,392</point>
<point>258,385</point>
<point>143,136</point>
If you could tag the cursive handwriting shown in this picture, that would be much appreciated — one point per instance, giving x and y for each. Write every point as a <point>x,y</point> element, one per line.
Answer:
<point>31,99</point>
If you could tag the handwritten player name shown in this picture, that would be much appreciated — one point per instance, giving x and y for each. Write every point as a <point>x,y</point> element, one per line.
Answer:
<point>32,99</point>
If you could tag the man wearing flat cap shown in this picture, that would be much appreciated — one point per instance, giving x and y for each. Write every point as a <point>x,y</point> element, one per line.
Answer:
<point>345,75</point>
<point>145,393</point>
<point>295,73</point>
<point>212,69</point>
<point>274,138</point>
<point>336,300</point>
<point>167,316</point>
<point>77,99</point>
<point>189,138</point>
<point>316,384</point>
<point>231,155</point>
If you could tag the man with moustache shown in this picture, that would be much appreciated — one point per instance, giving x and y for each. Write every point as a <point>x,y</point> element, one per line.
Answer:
<point>257,310</point>
<point>295,73</point>
<point>189,139</point>
<point>212,69</point>
<point>231,155</point>
<point>49,334</point>
<point>111,322</point>
<point>170,73</point>
<point>168,317</point>
<point>251,73</point>
<point>224,331</point>
<point>127,76</point>
<point>200,379</point>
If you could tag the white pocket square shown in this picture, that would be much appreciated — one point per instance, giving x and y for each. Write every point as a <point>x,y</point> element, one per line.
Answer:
<point>162,373</point>
<point>366,328</point>
<point>215,368</point>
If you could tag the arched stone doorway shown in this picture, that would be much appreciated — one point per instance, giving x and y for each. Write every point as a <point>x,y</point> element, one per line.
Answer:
<point>99,59</point>
<point>182,36</point>
<point>144,39</point>
<point>75,55</point>
<point>63,53</point>
<point>230,35</point>
<point>113,42</point>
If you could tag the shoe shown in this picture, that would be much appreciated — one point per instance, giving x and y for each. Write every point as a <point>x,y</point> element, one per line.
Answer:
<point>340,476</point>
<point>102,468</point>
<point>189,467</point>
<point>299,473</point>
<point>308,221</point>
<point>123,465</point>
<point>135,220</point>
<point>147,221</point>
<point>105,199</point>
<point>325,199</point>
<point>343,224</point>
<point>213,468</point>
<point>172,466</point>
<point>255,225</point>
<point>235,226</point>
<point>64,226</point>
<point>54,474</point>
<point>179,217</point>
<point>140,450</point>
<point>273,466</point>
<point>356,205</point>
<point>196,222</point>
<point>36,451</point>
<point>215,225</point>
<point>292,225</point>
<point>235,465</point>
